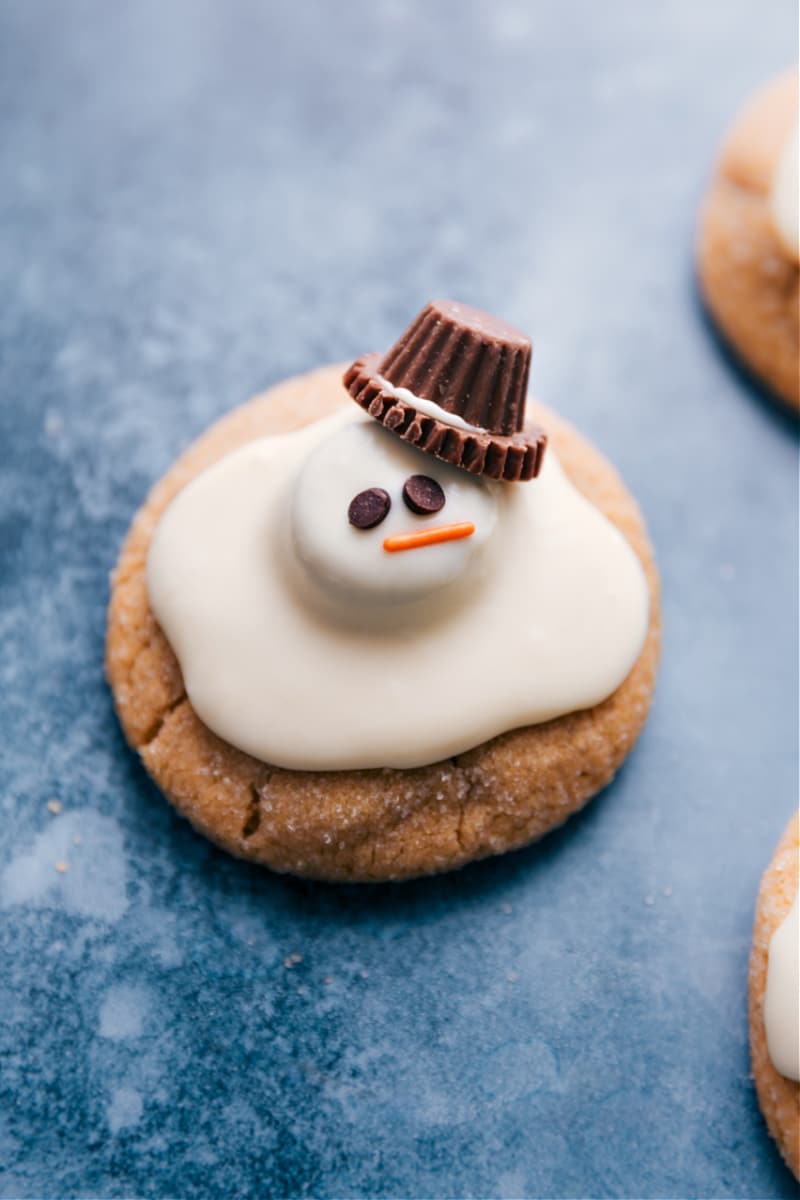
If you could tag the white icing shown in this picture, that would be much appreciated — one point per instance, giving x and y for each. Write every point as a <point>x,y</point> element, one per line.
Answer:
<point>267,596</point>
<point>783,201</point>
<point>428,407</point>
<point>782,997</point>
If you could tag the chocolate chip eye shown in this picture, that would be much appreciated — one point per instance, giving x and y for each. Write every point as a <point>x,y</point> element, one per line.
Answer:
<point>368,508</point>
<point>423,495</point>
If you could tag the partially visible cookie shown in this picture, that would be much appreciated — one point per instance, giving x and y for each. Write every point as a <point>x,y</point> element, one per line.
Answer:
<point>778,1096</point>
<point>749,281</point>
<point>375,824</point>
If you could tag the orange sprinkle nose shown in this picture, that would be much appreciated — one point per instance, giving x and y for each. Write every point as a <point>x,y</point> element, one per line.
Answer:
<point>429,537</point>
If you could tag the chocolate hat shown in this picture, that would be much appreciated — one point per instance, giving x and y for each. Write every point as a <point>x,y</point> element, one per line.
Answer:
<point>469,365</point>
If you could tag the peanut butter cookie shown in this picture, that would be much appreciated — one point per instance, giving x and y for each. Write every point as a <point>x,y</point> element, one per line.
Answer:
<point>373,824</point>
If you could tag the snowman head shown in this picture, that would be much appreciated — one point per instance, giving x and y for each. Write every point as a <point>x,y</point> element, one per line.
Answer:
<point>400,506</point>
<point>373,518</point>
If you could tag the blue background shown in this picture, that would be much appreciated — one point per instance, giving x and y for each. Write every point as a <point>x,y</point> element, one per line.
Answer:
<point>198,199</point>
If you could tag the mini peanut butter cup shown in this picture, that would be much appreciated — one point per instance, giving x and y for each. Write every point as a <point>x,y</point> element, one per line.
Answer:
<point>474,368</point>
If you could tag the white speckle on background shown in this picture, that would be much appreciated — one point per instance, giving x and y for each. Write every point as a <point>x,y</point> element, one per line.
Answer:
<point>53,424</point>
<point>124,1109</point>
<point>158,931</point>
<point>94,886</point>
<point>123,1012</point>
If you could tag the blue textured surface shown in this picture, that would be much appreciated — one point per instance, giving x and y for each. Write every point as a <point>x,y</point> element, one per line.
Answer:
<point>198,199</point>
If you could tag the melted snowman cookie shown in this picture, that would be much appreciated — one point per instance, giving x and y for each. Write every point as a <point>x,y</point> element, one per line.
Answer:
<point>386,644</point>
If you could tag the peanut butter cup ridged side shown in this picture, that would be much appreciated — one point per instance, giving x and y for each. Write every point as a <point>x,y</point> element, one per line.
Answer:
<point>473,368</point>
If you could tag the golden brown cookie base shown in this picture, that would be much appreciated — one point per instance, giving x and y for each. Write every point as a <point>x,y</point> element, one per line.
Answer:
<point>749,284</point>
<point>374,824</point>
<point>779,1097</point>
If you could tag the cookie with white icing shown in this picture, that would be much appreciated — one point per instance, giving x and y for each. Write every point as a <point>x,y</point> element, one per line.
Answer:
<point>774,996</point>
<point>748,239</point>
<point>378,656</point>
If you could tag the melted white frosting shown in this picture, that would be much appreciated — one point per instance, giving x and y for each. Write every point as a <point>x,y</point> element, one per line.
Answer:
<point>783,201</point>
<point>782,998</point>
<point>304,643</point>
<point>428,407</point>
